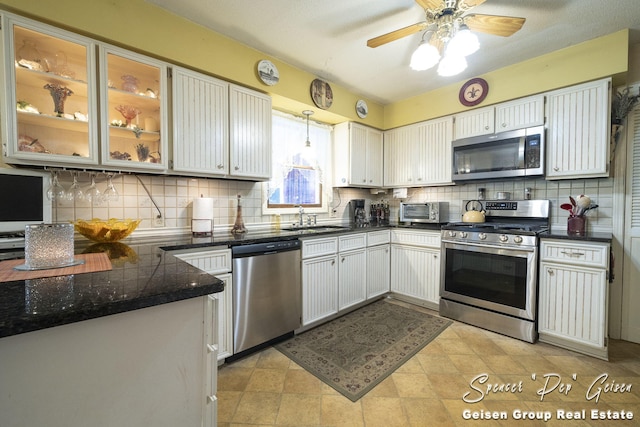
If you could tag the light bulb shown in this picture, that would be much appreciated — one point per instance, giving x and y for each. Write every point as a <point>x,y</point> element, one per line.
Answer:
<point>464,43</point>
<point>424,57</point>
<point>452,65</point>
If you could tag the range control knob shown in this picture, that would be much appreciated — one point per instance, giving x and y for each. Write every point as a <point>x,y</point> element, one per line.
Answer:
<point>482,236</point>
<point>451,233</point>
<point>503,238</point>
<point>463,234</point>
<point>517,239</point>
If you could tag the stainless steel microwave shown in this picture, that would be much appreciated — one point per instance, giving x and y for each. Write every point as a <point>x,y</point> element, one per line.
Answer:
<point>429,212</point>
<point>501,155</point>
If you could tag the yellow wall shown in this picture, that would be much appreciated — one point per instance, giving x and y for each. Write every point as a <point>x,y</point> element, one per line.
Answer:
<point>140,26</point>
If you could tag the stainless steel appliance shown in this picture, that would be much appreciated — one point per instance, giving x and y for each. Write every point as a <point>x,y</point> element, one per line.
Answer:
<point>357,213</point>
<point>489,270</point>
<point>429,212</point>
<point>24,201</point>
<point>267,295</point>
<point>501,155</point>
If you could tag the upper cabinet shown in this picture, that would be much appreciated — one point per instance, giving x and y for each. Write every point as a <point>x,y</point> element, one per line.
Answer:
<point>578,131</point>
<point>419,155</point>
<point>201,123</point>
<point>357,154</point>
<point>517,114</point>
<point>49,101</point>
<point>249,134</point>
<point>133,110</point>
<point>220,129</point>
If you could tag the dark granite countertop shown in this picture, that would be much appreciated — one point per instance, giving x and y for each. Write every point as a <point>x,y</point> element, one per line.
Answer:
<point>589,237</point>
<point>143,275</point>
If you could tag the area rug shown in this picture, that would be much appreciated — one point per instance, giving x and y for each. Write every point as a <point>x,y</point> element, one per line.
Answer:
<point>357,351</point>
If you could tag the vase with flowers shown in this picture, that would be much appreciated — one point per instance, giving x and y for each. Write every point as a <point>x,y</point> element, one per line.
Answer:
<point>622,104</point>
<point>577,221</point>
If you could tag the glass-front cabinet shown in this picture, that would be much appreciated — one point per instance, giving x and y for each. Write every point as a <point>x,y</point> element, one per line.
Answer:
<point>133,110</point>
<point>51,113</point>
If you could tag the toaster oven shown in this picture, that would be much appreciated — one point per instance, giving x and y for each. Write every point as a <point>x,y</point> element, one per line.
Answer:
<point>427,213</point>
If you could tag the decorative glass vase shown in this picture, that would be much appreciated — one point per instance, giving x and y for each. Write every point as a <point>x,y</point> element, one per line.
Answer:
<point>59,95</point>
<point>577,225</point>
<point>29,56</point>
<point>238,226</point>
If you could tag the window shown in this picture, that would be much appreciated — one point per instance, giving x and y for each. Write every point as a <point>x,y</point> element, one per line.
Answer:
<point>298,171</point>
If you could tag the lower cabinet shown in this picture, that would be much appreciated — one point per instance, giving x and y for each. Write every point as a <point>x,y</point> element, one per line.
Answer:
<point>319,288</point>
<point>378,263</point>
<point>139,368</point>
<point>415,266</point>
<point>352,278</point>
<point>573,295</point>
<point>217,262</point>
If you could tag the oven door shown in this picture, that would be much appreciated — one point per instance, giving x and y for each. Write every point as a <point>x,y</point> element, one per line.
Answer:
<point>491,277</point>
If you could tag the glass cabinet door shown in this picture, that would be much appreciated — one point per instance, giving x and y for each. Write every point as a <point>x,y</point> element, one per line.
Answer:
<point>51,97</point>
<point>133,110</point>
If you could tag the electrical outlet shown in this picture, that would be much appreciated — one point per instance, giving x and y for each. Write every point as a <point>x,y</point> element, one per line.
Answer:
<point>332,214</point>
<point>158,222</point>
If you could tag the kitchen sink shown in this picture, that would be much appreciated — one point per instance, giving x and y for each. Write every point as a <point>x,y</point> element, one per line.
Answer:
<point>315,229</point>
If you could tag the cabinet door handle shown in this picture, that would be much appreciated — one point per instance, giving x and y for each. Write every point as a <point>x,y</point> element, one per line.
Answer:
<point>551,272</point>
<point>556,168</point>
<point>211,399</point>
<point>220,166</point>
<point>574,254</point>
<point>333,262</point>
<point>343,259</point>
<point>504,125</point>
<point>211,348</point>
<point>486,127</point>
<point>237,168</point>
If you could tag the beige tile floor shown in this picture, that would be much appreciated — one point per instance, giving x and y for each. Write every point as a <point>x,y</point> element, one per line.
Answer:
<point>268,389</point>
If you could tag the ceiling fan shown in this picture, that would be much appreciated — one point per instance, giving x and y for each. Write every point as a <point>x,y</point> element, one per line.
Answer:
<point>450,37</point>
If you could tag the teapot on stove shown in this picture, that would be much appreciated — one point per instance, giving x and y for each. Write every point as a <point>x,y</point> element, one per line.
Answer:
<point>473,214</point>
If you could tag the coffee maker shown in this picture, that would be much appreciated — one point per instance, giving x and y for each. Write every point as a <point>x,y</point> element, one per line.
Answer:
<point>357,213</point>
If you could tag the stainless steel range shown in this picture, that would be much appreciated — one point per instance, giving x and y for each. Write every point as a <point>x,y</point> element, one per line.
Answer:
<point>490,270</point>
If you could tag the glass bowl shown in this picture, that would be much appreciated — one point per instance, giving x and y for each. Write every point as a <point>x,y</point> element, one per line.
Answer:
<point>104,231</point>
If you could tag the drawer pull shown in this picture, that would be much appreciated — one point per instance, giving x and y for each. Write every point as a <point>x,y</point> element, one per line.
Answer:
<point>574,254</point>
<point>211,399</point>
<point>211,348</point>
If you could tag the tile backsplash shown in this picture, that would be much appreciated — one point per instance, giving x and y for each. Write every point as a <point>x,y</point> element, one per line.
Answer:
<point>165,203</point>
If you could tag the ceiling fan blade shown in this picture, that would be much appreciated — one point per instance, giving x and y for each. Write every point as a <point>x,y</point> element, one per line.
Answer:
<point>395,35</point>
<point>429,4</point>
<point>493,24</point>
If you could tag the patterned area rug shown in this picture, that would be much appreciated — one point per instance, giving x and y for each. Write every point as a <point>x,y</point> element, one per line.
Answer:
<point>357,351</point>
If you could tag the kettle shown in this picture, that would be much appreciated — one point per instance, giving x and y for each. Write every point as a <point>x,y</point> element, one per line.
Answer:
<point>473,215</point>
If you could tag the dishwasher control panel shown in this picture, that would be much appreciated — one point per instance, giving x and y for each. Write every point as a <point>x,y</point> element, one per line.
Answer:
<point>267,247</point>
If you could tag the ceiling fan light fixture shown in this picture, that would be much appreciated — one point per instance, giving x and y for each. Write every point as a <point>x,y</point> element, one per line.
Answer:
<point>452,65</point>
<point>424,57</point>
<point>463,43</point>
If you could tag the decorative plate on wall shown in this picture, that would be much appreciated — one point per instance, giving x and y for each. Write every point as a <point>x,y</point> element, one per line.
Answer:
<point>362,109</point>
<point>321,94</point>
<point>268,72</point>
<point>473,92</point>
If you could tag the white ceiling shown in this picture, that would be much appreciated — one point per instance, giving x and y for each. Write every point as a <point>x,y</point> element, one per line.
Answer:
<point>328,37</point>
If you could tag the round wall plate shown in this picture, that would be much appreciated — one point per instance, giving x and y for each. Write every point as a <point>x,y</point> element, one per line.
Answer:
<point>268,72</point>
<point>473,92</point>
<point>321,94</point>
<point>362,109</point>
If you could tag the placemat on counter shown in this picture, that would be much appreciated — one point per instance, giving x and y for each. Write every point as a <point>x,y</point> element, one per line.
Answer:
<point>92,263</point>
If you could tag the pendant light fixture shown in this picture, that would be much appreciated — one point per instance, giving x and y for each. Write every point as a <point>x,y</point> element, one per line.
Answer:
<point>307,113</point>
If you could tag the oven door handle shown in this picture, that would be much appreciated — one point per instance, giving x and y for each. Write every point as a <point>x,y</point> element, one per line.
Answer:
<point>528,249</point>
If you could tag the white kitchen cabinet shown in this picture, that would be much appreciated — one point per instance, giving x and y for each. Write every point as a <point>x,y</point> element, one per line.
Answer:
<point>415,266</point>
<point>378,263</point>
<point>319,279</point>
<point>49,100</point>
<point>216,262</point>
<point>140,368</point>
<point>249,134</point>
<point>133,110</point>
<point>200,123</point>
<point>578,131</point>
<point>419,154</point>
<point>517,114</point>
<point>573,295</point>
<point>352,270</point>
<point>357,156</point>
<point>480,121</point>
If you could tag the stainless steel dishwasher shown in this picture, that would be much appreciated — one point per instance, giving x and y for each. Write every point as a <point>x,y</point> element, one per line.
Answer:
<point>267,294</point>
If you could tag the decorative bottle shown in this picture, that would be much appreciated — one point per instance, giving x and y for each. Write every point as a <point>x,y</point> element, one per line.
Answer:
<point>238,226</point>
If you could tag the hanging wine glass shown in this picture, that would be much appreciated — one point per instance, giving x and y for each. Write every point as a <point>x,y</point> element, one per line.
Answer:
<point>55,190</point>
<point>110,194</point>
<point>92,194</point>
<point>75,192</point>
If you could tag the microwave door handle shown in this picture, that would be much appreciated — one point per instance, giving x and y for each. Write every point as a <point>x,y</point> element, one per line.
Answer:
<point>521,147</point>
